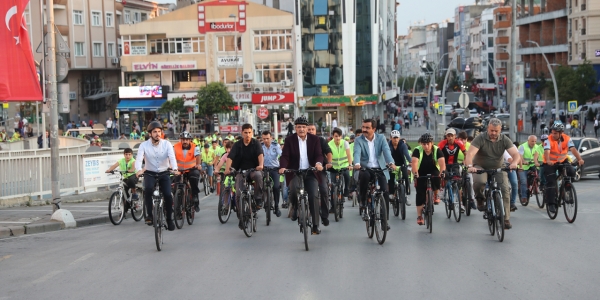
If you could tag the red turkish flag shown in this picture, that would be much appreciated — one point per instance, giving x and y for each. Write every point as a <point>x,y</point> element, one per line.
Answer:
<point>18,75</point>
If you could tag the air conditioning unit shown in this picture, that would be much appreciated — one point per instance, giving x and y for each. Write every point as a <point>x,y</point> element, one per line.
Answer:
<point>285,83</point>
<point>247,85</point>
<point>258,90</point>
<point>115,60</point>
<point>272,89</point>
<point>247,76</point>
<point>285,90</point>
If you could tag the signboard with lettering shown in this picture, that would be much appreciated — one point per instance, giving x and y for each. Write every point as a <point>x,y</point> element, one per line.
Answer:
<point>166,65</point>
<point>273,98</point>
<point>230,61</point>
<point>358,100</point>
<point>138,50</point>
<point>140,92</point>
<point>210,8</point>
<point>94,170</point>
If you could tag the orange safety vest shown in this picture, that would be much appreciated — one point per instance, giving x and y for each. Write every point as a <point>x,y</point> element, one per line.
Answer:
<point>185,162</point>
<point>558,151</point>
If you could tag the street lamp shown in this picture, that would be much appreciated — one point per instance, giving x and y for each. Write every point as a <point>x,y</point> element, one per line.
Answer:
<point>552,75</point>
<point>237,84</point>
<point>446,81</point>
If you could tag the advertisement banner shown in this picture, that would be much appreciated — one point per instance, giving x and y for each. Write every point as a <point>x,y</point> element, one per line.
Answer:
<point>208,9</point>
<point>229,128</point>
<point>230,61</point>
<point>243,97</point>
<point>519,82</point>
<point>273,98</point>
<point>138,50</point>
<point>324,101</point>
<point>140,92</point>
<point>94,170</point>
<point>164,65</point>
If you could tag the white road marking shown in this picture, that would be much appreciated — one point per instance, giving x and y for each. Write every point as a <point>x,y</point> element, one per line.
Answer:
<point>83,258</point>
<point>5,257</point>
<point>46,277</point>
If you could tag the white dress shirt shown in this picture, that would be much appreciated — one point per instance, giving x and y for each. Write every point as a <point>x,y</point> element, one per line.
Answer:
<point>373,163</point>
<point>158,157</point>
<point>303,154</point>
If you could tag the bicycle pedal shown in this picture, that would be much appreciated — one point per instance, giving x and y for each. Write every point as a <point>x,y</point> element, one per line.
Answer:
<point>485,216</point>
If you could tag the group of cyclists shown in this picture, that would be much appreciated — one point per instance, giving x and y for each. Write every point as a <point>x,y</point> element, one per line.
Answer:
<point>350,155</point>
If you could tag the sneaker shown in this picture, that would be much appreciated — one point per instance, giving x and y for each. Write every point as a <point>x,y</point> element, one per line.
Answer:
<point>552,208</point>
<point>480,205</point>
<point>259,203</point>
<point>316,231</point>
<point>513,207</point>
<point>331,210</point>
<point>148,221</point>
<point>507,224</point>
<point>170,225</point>
<point>420,221</point>
<point>436,201</point>
<point>277,212</point>
<point>294,214</point>
<point>325,222</point>
<point>284,205</point>
<point>212,190</point>
<point>472,204</point>
<point>197,208</point>
<point>408,202</point>
<point>462,208</point>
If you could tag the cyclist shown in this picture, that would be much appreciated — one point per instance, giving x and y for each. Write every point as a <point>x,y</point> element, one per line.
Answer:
<point>451,147</point>
<point>512,179</point>
<point>372,151</point>
<point>540,150</point>
<point>492,145</point>
<point>159,157</point>
<point>464,138</point>
<point>301,151</point>
<point>556,148</point>
<point>209,159</point>
<point>188,158</point>
<point>426,159</point>
<point>401,159</point>
<point>529,155</point>
<point>197,141</point>
<point>247,154</point>
<point>271,152</point>
<point>126,164</point>
<point>341,159</point>
<point>323,183</point>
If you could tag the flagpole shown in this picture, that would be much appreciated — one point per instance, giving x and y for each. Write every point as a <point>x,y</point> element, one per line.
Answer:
<point>43,67</point>
<point>52,93</point>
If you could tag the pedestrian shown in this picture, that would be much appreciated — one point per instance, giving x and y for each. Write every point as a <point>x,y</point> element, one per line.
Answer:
<point>410,117</point>
<point>534,119</point>
<point>596,126</point>
<point>19,128</point>
<point>553,113</point>
<point>427,120</point>
<point>109,125</point>
<point>406,122</point>
<point>290,128</point>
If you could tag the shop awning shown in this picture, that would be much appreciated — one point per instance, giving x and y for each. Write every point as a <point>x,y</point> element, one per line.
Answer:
<point>140,105</point>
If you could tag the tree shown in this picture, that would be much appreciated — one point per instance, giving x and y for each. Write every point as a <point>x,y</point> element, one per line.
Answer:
<point>540,84</point>
<point>214,99</point>
<point>575,84</point>
<point>173,107</point>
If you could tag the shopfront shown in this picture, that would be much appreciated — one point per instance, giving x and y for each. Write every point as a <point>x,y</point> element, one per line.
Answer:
<point>139,105</point>
<point>348,111</point>
<point>266,105</point>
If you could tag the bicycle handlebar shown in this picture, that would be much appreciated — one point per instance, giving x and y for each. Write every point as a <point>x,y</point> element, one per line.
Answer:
<point>492,171</point>
<point>300,171</point>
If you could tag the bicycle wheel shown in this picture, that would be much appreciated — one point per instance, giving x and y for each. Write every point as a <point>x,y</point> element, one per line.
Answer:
<point>396,202</point>
<point>370,229</point>
<point>559,199</point>
<point>178,208</point>
<point>542,201</point>
<point>303,219</point>
<point>499,218</point>
<point>247,216</point>
<point>570,204</point>
<point>116,206</point>
<point>467,195</point>
<point>205,184</point>
<point>430,212</point>
<point>448,201</point>
<point>224,209</point>
<point>380,220</point>
<point>157,221</point>
<point>137,208</point>
<point>428,198</point>
<point>402,202</point>
<point>456,203</point>
<point>268,204</point>
<point>334,198</point>
<point>190,211</point>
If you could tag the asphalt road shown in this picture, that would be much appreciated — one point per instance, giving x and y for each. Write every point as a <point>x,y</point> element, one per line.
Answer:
<point>539,259</point>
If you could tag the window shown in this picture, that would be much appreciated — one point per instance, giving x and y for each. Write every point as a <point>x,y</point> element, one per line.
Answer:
<point>79,49</point>
<point>273,40</point>
<point>134,44</point>
<point>144,17</point>
<point>322,76</point>
<point>97,48</point>
<point>227,76</point>
<point>594,143</point>
<point>490,42</point>
<point>490,24</point>
<point>273,73</point>
<point>321,41</point>
<point>320,8</point>
<point>136,17</point>
<point>110,49</point>
<point>96,19</point>
<point>127,17</point>
<point>109,20</point>
<point>177,45</point>
<point>78,17</point>
<point>225,43</point>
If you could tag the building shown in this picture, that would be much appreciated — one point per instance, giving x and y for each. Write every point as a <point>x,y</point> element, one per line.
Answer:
<point>248,47</point>
<point>445,32</point>
<point>502,23</point>
<point>285,5</point>
<point>463,17</point>
<point>475,46</point>
<point>347,52</point>
<point>584,33</point>
<point>545,23</point>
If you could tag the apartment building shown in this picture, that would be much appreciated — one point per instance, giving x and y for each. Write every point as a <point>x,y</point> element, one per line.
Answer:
<point>502,23</point>
<point>285,5</point>
<point>445,32</point>
<point>463,17</point>
<point>474,61</point>
<point>584,33</point>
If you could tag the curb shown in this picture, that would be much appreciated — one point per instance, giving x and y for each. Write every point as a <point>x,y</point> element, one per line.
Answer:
<point>13,231</point>
<point>91,221</point>
<point>43,227</point>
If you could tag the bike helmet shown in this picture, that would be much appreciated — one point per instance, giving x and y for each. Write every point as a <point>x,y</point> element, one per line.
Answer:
<point>185,135</point>
<point>395,133</point>
<point>558,126</point>
<point>544,137</point>
<point>426,138</point>
<point>154,125</point>
<point>301,121</point>
<point>545,131</point>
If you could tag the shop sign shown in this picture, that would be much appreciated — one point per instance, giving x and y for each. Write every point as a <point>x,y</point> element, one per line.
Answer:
<point>229,128</point>
<point>166,65</point>
<point>207,8</point>
<point>241,97</point>
<point>230,61</point>
<point>273,98</point>
<point>185,96</point>
<point>358,100</point>
<point>139,92</point>
<point>389,94</point>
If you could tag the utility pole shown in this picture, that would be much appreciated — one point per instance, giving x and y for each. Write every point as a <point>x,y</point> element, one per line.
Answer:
<point>52,94</point>
<point>512,67</point>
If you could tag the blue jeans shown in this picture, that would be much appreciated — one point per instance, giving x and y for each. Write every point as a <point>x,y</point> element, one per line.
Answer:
<point>523,183</point>
<point>208,169</point>
<point>514,193</point>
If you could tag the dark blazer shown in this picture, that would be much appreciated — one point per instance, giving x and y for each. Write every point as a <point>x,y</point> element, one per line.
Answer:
<point>290,158</point>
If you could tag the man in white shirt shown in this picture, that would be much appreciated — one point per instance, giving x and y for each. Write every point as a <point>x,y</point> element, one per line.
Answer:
<point>109,125</point>
<point>159,156</point>
<point>334,123</point>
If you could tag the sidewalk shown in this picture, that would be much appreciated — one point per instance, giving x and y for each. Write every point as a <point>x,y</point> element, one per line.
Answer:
<point>87,209</point>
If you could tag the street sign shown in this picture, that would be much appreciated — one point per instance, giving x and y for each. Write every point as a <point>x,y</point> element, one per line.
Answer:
<point>572,105</point>
<point>463,100</point>
<point>262,112</point>
<point>441,109</point>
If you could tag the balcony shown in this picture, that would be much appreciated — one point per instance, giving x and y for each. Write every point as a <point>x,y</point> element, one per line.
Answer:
<point>502,24</point>
<point>502,40</point>
<point>502,56</point>
<point>188,85</point>
<point>544,16</point>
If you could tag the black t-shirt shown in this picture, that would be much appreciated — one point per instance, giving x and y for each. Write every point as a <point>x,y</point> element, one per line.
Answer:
<point>245,157</point>
<point>427,165</point>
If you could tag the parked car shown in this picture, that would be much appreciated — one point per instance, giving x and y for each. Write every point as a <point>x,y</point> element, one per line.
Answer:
<point>589,148</point>
<point>419,102</point>
<point>481,107</point>
<point>505,120</point>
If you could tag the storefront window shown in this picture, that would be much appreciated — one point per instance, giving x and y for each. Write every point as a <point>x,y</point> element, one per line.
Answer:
<point>189,80</point>
<point>273,72</point>
<point>177,45</point>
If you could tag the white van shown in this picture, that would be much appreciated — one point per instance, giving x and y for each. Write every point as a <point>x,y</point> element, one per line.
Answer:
<point>584,108</point>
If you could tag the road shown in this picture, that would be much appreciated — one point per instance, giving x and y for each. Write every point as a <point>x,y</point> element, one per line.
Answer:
<point>539,259</point>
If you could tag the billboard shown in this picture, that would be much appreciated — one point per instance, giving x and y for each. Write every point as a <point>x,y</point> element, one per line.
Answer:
<point>519,82</point>
<point>140,92</point>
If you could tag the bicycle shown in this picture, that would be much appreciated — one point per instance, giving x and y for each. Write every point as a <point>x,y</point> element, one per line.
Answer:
<point>565,196</point>
<point>429,199</point>
<point>533,186</point>
<point>159,221</point>
<point>269,202</point>
<point>182,200</point>
<point>205,182</point>
<point>494,212</point>
<point>304,220</point>
<point>353,196</point>
<point>399,203</point>
<point>247,214</point>
<point>465,186</point>
<point>120,198</point>
<point>337,192</point>
<point>375,213</point>
<point>227,198</point>
<point>452,194</point>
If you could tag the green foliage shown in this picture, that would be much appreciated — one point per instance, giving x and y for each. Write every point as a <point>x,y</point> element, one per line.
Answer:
<point>540,83</point>
<point>214,99</point>
<point>173,106</point>
<point>575,84</point>
<point>410,81</point>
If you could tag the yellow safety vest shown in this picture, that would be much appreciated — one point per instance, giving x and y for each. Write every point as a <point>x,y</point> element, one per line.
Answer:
<point>434,156</point>
<point>339,157</point>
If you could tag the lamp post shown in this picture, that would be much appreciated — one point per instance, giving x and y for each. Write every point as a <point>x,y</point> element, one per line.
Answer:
<point>446,81</point>
<point>237,84</point>
<point>552,75</point>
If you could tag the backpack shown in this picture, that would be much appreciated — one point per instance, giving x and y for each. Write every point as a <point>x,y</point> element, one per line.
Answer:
<point>397,126</point>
